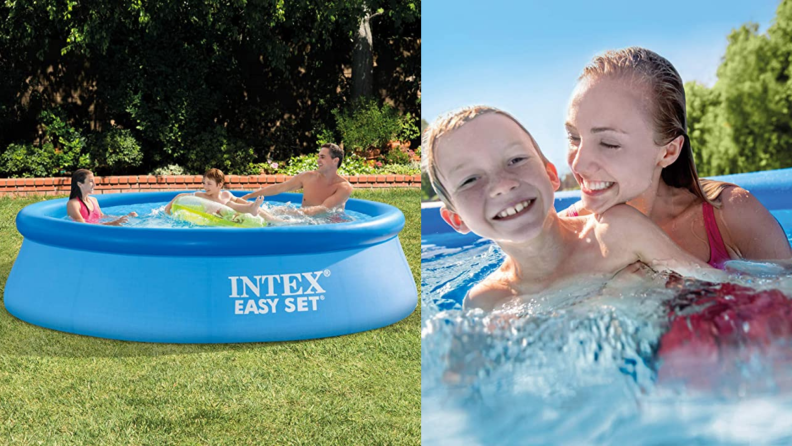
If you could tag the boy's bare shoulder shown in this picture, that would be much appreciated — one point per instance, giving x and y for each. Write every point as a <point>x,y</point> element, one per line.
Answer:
<point>490,293</point>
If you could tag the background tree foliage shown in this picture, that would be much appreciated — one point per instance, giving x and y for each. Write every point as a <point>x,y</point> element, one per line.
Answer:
<point>744,122</point>
<point>195,83</point>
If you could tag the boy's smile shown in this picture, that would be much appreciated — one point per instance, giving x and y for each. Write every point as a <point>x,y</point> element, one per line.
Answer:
<point>498,183</point>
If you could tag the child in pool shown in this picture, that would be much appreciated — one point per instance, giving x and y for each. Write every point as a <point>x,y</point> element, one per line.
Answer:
<point>494,181</point>
<point>213,181</point>
<point>82,207</point>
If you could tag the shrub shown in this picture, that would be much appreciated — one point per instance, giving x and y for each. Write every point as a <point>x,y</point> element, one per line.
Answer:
<point>353,165</point>
<point>400,169</point>
<point>409,128</point>
<point>115,151</point>
<point>215,148</point>
<point>27,160</point>
<point>266,168</point>
<point>398,155</point>
<point>66,142</point>
<point>367,124</point>
<point>171,169</point>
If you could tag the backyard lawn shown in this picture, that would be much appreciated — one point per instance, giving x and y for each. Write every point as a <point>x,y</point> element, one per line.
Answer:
<point>58,388</point>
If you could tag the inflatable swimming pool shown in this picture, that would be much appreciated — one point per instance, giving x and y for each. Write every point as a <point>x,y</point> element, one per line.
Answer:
<point>212,285</point>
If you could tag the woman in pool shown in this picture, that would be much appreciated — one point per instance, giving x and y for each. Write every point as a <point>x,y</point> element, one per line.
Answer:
<point>84,208</point>
<point>626,126</point>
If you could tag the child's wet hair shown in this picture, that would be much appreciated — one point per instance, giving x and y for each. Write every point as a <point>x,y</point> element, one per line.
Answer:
<point>447,124</point>
<point>216,175</point>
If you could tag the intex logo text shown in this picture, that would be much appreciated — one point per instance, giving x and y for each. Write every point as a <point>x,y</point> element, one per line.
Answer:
<point>270,288</point>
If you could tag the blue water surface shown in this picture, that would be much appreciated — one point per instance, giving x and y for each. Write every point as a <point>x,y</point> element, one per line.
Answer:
<point>580,366</point>
<point>151,215</point>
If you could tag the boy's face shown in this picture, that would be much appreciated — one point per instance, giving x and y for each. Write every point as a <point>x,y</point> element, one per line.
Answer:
<point>500,187</point>
<point>210,185</point>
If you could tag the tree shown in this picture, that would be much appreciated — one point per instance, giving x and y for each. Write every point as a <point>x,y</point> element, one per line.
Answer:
<point>744,123</point>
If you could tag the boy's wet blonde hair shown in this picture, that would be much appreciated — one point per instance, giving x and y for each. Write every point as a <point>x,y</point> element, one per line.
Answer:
<point>447,124</point>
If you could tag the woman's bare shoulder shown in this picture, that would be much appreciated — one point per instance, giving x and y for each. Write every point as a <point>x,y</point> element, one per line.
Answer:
<point>750,228</point>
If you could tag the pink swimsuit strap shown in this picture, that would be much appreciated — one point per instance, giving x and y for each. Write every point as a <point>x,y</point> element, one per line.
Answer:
<point>90,216</point>
<point>572,210</point>
<point>718,252</point>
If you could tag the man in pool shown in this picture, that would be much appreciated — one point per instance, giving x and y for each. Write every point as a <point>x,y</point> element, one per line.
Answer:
<point>323,189</point>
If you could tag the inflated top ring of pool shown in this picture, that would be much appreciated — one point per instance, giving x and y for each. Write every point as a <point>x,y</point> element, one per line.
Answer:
<point>209,285</point>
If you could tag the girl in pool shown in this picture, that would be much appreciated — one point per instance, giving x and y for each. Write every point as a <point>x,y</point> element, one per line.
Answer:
<point>493,180</point>
<point>84,208</point>
<point>626,126</point>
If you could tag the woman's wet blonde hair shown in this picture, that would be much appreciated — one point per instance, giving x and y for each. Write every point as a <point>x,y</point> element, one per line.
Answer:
<point>666,108</point>
<point>448,123</point>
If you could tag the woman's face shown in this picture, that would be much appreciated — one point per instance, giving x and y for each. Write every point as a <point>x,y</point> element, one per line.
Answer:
<point>611,143</point>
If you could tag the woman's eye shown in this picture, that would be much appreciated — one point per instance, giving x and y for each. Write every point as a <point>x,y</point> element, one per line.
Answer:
<point>517,160</point>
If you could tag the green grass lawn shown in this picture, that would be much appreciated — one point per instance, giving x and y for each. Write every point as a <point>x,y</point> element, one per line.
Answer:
<point>59,388</point>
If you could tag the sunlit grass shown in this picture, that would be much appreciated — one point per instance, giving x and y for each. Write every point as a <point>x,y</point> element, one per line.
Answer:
<point>58,388</point>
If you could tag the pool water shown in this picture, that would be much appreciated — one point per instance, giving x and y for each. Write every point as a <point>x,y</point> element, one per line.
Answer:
<point>152,215</point>
<point>595,363</point>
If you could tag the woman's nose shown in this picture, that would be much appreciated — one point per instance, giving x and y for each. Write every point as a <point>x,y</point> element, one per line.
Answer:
<point>582,159</point>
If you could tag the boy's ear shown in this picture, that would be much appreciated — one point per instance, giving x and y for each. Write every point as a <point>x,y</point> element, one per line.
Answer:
<point>454,220</point>
<point>553,174</point>
<point>671,151</point>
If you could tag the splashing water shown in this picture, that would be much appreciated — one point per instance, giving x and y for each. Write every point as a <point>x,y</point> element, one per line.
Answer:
<point>152,215</point>
<point>670,361</point>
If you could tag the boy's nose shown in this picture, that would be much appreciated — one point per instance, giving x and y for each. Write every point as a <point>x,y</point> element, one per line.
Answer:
<point>502,185</point>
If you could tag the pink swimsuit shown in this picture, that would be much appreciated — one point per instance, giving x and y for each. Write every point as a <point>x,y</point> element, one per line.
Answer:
<point>88,215</point>
<point>718,253</point>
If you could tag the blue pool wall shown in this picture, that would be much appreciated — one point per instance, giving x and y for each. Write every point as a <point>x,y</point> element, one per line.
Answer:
<point>186,285</point>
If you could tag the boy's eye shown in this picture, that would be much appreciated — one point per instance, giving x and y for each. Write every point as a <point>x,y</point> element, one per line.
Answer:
<point>468,181</point>
<point>517,160</point>
<point>573,140</point>
<point>609,146</point>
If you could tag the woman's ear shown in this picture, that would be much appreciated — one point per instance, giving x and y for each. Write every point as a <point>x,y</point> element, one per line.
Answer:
<point>671,151</point>
<point>553,174</point>
<point>454,220</point>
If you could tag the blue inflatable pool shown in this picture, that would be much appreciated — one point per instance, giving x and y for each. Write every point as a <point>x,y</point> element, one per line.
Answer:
<point>214,285</point>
